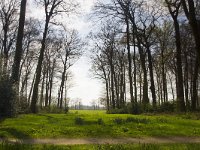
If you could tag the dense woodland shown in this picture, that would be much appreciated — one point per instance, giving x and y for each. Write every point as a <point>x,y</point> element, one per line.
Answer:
<point>146,53</point>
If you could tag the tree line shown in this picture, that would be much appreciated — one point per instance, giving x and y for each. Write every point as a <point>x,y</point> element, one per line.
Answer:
<point>35,56</point>
<point>147,54</point>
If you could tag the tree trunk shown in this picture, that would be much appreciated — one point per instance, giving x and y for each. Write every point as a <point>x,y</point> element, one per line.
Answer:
<point>39,69</point>
<point>129,60</point>
<point>18,53</point>
<point>47,88</point>
<point>195,85</point>
<point>51,81</point>
<point>151,76</point>
<point>145,100</point>
<point>180,91</point>
<point>42,87</point>
<point>192,17</point>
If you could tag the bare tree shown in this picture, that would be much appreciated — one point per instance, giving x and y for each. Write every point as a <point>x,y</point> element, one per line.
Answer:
<point>52,8</point>
<point>174,8</point>
<point>8,10</point>
<point>18,52</point>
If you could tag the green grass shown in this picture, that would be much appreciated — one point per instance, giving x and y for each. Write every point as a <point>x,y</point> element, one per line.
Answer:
<point>111,125</point>
<point>6,146</point>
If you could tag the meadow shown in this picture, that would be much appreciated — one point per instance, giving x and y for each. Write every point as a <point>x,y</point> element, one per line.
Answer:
<point>5,146</point>
<point>98,124</point>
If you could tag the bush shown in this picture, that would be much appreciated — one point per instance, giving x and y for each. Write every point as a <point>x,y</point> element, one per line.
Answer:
<point>53,109</point>
<point>138,120</point>
<point>79,121</point>
<point>118,111</point>
<point>100,121</point>
<point>167,107</point>
<point>118,120</point>
<point>135,108</point>
<point>23,106</point>
<point>8,106</point>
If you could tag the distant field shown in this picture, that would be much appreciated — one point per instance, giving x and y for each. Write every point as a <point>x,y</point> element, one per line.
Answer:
<point>80,124</point>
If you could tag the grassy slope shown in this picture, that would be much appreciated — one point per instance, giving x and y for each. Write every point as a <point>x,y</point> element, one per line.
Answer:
<point>63,125</point>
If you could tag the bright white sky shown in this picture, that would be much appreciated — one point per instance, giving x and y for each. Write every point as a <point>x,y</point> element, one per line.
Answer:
<point>85,87</point>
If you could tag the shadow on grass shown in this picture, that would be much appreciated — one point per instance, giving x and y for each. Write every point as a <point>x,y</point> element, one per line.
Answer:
<point>15,133</point>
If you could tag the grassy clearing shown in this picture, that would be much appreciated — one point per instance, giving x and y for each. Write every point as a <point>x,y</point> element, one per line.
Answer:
<point>5,146</point>
<point>80,124</point>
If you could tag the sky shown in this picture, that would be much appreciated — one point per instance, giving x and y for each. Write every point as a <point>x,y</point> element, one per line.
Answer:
<point>85,87</point>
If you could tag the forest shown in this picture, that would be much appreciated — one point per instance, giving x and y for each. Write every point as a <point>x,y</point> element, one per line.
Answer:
<point>145,54</point>
<point>148,54</point>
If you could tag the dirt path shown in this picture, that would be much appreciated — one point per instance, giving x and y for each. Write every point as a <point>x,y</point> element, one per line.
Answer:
<point>81,141</point>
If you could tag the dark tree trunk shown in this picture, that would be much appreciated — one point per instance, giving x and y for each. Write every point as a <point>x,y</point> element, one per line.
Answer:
<point>195,85</point>
<point>18,53</point>
<point>31,90</point>
<point>151,76</point>
<point>39,69</point>
<point>47,88</point>
<point>145,82</point>
<point>116,90</point>
<point>186,81</point>
<point>164,78</point>
<point>42,87</point>
<point>63,82</point>
<point>112,84</point>
<point>129,60</point>
<point>135,70</point>
<point>180,91</point>
<point>189,9</point>
<point>51,81</point>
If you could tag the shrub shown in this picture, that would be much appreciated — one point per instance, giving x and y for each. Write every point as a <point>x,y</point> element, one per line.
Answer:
<point>8,106</point>
<point>79,121</point>
<point>23,106</point>
<point>118,120</point>
<point>138,120</point>
<point>125,129</point>
<point>167,107</point>
<point>118,111</point>
<point>100,121</point>
<point>52,109</point>
<point>135,108</point>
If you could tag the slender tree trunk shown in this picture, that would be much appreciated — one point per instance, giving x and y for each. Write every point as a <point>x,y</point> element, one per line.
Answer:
<point>129,60</point>
<point>47,88</point>
<point>63,81</point>
<point>5,50</point>
<point>112,85</point>
<point>51,81</point>
<point>116,91</point>
<point>134,63</point>
<point>195,86</point>
<point>31,90</point>
<point>151,76</point>
<point>145,82</point>
<point>42,88</point>
<point>164,80</point>
<point>172,87</point>
<point>39,69</point>
<point>186,81</point>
